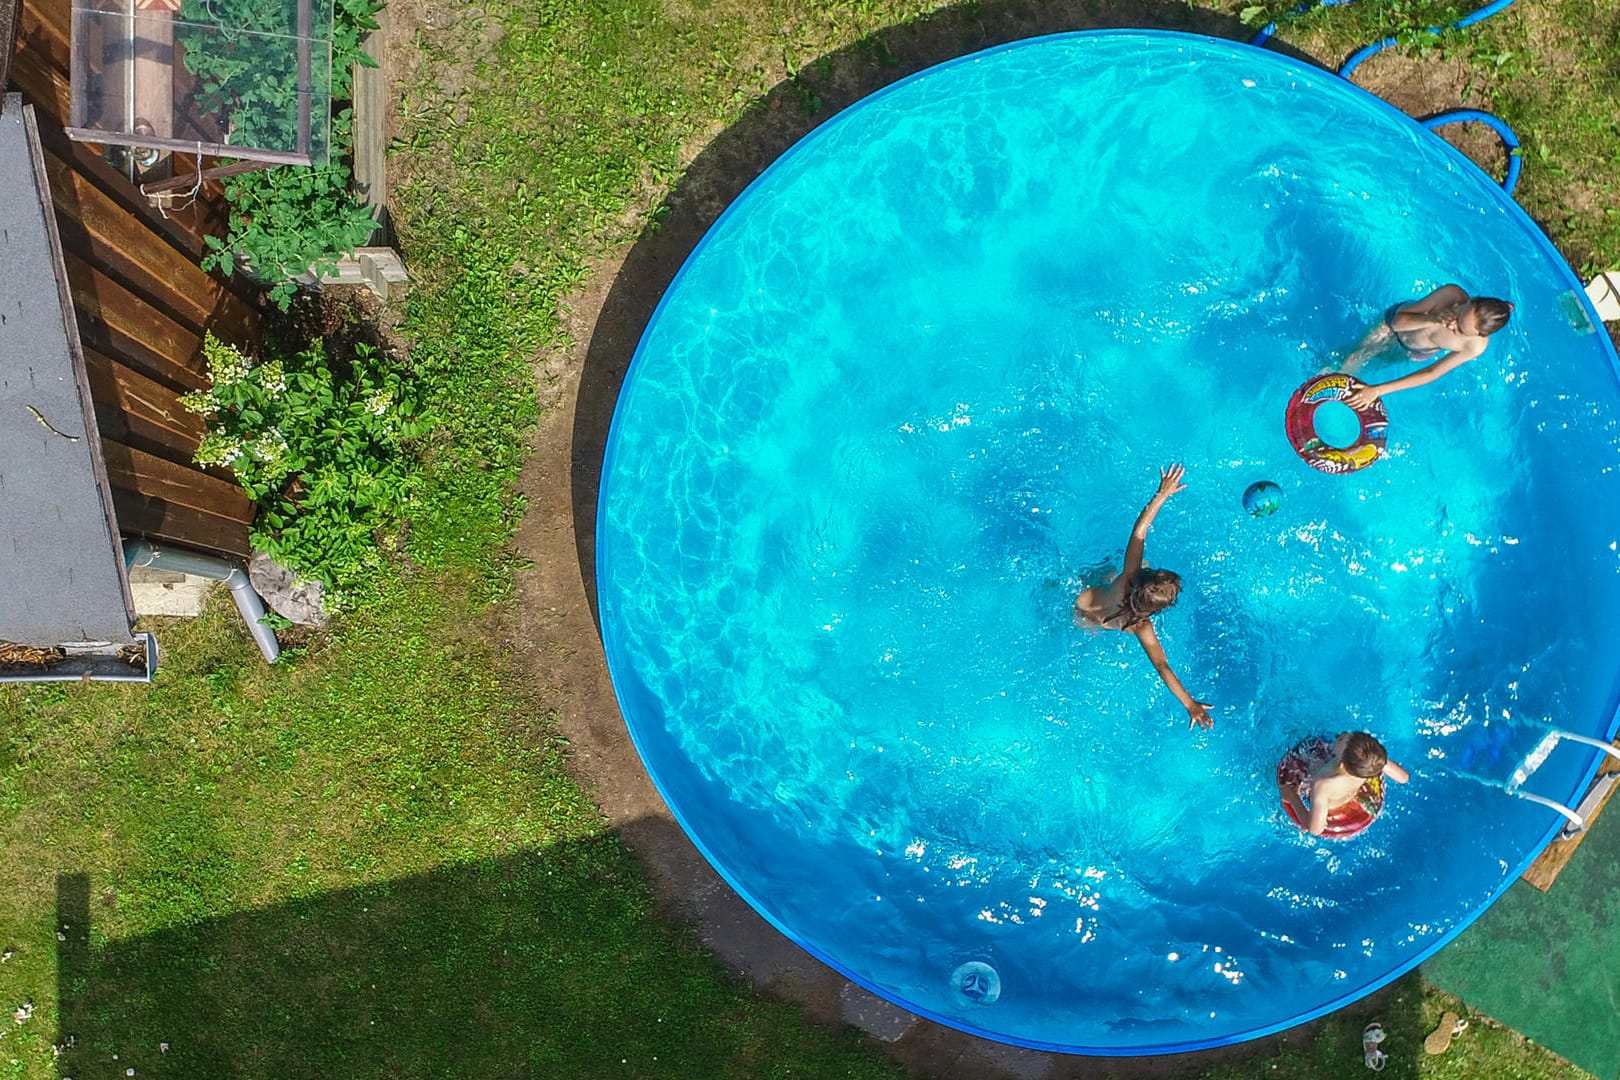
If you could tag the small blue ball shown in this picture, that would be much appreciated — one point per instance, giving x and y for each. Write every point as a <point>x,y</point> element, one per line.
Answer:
<point>1262,498</point>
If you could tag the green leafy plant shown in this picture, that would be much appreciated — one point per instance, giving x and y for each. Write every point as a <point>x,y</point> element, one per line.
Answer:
<point>321,447</point>
<point>244,55</point>
<point>809,101</point>
<point>288,219</point>
<point>1408,21</point>
<point>275,621</point>
<point>352,20</point>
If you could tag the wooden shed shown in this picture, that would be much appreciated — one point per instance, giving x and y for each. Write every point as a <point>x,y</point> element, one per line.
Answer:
<point>103,311</point>
<point>141,304</point>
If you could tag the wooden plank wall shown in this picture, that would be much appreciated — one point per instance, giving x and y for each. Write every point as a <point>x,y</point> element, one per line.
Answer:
<point>143,306</point>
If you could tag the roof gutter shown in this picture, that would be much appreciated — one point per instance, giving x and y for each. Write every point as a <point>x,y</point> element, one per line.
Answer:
<point>96,661</point>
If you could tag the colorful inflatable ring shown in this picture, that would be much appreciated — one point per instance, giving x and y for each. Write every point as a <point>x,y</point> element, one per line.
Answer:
<point>1302,761</point>
<point>1300,422</point>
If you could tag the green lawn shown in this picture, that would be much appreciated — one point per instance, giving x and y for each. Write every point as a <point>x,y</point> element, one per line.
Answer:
<point>369,861</point>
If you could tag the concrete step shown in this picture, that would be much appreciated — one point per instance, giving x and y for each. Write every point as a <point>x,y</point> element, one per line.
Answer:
<point>162,592</point>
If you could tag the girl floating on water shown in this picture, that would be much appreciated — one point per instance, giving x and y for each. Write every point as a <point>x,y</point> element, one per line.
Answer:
<point>1130,601</point>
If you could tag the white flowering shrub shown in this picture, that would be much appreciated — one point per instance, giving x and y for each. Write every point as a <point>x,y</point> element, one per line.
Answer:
<point>322,447</point>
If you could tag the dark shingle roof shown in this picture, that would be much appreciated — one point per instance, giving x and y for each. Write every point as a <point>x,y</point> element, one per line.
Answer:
<point>61,569</point>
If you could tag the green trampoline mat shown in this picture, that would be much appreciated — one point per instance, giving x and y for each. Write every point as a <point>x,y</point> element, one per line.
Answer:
<point>1548,964</point>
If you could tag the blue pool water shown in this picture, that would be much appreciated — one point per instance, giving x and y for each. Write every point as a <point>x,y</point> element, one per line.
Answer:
<point>912,390</point>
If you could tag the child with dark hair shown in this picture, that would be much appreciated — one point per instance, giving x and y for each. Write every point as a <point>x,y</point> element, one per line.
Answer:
<point>1448,327</point>
<point>1130,600</point>
<point>1356,758</point>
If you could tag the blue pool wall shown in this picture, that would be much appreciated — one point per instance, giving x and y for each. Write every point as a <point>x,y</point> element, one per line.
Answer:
<point>1566,776</point>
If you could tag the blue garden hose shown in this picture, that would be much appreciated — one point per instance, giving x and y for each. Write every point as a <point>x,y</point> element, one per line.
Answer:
<point>1271,27</point>
<point>1496,124</point>
<point>1360,56</point>
<point>1377,47</point>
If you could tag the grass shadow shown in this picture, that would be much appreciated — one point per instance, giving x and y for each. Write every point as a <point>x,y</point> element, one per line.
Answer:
<point>540,964</point>
<point>548,963</point>
<point>771,125</point>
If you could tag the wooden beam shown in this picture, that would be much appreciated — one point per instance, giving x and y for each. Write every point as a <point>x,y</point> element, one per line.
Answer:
<point>98,229</point>
<point>153,79</point>
<point>43,83</point>
<point>116,322</point>
<point>1551,862</point>
<point>176,485</point>
<point>371,129</point>
<point>140,515</point>
<point>141,409</point>
<point>305,18</point>
<point>188,180</point>
<point>48,24</point>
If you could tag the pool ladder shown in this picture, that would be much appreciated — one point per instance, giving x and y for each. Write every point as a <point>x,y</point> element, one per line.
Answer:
<point>1580,814</point>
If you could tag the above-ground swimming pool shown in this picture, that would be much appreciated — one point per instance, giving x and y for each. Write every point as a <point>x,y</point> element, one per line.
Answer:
<point>911,391</point>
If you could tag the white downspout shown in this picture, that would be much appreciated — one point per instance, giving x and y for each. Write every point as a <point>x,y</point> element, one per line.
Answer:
<point>138,552</point>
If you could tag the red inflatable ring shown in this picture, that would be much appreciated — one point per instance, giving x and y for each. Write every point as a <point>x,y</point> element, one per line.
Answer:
<point>1300,763</point>
<point>1300,421</point>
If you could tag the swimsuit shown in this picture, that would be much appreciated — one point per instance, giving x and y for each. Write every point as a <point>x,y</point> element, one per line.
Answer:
<point>1417,355</point>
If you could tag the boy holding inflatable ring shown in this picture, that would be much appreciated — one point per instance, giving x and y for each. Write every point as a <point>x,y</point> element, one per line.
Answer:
<point>1355,758</point>
<point>1448,327</point>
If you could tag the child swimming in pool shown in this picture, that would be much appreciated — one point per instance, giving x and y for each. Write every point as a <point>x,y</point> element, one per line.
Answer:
<point>1448,321</point>
<point>1356,758</point>
<point>1129,601</point>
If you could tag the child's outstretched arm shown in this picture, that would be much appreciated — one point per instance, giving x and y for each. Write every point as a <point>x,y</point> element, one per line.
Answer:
<point>1396,773</point>
<point>1370,393</point>
<point>1197,711</point>
<point>1169,484</point>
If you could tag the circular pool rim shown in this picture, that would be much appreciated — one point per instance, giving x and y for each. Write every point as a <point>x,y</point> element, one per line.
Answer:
<point>1331,83</point>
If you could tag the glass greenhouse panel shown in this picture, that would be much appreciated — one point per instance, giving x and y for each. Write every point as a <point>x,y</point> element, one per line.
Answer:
<point>247,79</point>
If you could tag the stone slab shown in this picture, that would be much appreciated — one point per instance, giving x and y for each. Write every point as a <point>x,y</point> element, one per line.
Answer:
<point>184,598</point>
<point>877,1017</point>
